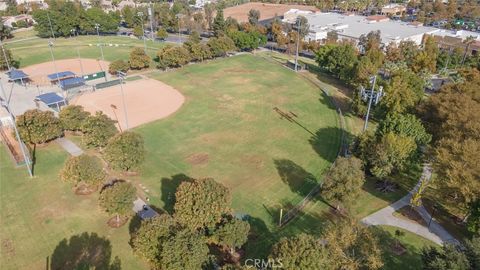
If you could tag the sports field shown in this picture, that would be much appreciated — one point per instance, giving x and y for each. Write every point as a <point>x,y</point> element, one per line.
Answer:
<point>36,50</point>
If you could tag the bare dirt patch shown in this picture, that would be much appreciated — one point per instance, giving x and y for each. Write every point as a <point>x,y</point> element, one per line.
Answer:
<point>38,73</point>
<point>116,223</point>
<point>85,190</point>
<point>146,100</point>
<point>7,247</point>
<point>407,212</point>
<point>198,159</point>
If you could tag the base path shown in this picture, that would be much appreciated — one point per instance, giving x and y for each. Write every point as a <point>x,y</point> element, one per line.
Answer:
<point>146,100</point>
<point>435,233</point>
<point>38,73</point>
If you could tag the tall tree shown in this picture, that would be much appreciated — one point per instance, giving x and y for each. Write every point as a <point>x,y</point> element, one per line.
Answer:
<point>405,125</point>
<point>117,199</point>
<point>446,258</point>
<point>72,117</point>
<point>125,151</point>
<point>98,129</point>
<point>219,23</point>
<point>344,181</point>
<point>84,171</point>
<point>38,127</point>
<point>232,234</point>
<point>403,92</point>
<point>253,16</point>
<point>301,252</point>
<point>201,203</point>
<point>139,59</point>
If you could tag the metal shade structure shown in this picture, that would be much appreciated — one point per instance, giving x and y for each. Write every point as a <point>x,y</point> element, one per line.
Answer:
<point>52,100</point>
<point>61,75</point>
<point>71,83</point>
<point>17,75</point>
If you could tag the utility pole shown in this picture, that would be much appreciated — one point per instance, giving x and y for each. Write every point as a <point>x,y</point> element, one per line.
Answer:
<point>371,95</point>
<point>150,13</point>
<point>298,43</point>
<point>143,32</point>
<point>5,55</point>
<point>26,158</point>
<point>97,26</point>
<point>122,75</point>
<point>50,45</point>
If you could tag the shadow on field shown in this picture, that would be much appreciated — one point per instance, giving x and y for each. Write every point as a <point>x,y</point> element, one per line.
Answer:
<point>260,239</point>
<point>298,179</point>
<point>84,251</point>
<point>326,142</point>
<point>169,187</point>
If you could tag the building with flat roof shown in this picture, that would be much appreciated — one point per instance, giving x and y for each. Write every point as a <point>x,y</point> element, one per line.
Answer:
<point>352,27</point>
<point>267,11</point>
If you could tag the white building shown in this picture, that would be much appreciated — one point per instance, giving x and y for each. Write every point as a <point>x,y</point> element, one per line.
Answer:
<point>351,27</point>
<point>292,15</point>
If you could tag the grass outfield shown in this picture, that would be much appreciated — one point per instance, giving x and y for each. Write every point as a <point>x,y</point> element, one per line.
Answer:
<point>35,51</point>
<point>227,129</point>
<point>36,214</point>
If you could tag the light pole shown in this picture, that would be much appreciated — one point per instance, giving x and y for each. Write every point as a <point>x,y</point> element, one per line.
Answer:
<point>371,94</point>
<point>122,75</point>
<point>5,55</point>
<point>50,23</point>
<point>97,26</point>
<point>298,43</point>
<point>150,13</point>
<point>26,158</point>
<point>74,31</point>
<point>50,45</point>
<point>140,14</point>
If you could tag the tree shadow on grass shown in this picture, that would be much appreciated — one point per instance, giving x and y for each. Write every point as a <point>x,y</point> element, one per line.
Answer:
<point>169,187</point>
<point>297,178</point>
<point>327,142</point>
<point>84,251</point>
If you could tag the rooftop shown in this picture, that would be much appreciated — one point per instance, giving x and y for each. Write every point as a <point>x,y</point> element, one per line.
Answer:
<point>354,26</point>
<point>267,11</point>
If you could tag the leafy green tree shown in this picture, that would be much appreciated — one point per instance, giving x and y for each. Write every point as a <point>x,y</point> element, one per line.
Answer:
<point>128,16</point>
<point>151,233</point>
<point>72,117</point>
<point>344,181</point>
<point>162,34</point>
<point>139,59</point>
<point>403,92</point>
<point>173,56</point>
<point>253,16</point>
<point>338,59</point>
<point>473,223</point>
<point>391,152</point>
<point>232,234</point>
<point>247,40</point>
<point>186,249</point>
<point>98,129</point>
<point>302,22</point>
<point>472,250</point>
<point>200,52</point>
<point>351,245</point>
<point>84,171</point>
<point>201,203</point>
<point>221,46</point>
<point>219,23</point>
<point>11,61</point>
<point>125,151</point>
<point>118,65</point>
<point>5,31</point>
<point>301,252</point>
<point>138,31</point>
<point>446,258</point>
<point>37,126</point>
<point>371,41</point>
<point>117,199</point>
<point>405,125</point>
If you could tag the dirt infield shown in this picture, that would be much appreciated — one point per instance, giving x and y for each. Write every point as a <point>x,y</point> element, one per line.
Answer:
<point>267,11</point>
<point>146,100</point>
<point>38,73</point>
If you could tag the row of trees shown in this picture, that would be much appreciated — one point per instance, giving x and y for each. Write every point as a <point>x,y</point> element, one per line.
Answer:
<point>137,60</point>
<point>201,225</point>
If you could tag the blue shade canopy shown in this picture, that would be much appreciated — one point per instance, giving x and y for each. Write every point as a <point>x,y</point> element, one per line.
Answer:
<point>50,98</point>
<point>71,83</point>
<point>61,75</point>
<point>16,74</point>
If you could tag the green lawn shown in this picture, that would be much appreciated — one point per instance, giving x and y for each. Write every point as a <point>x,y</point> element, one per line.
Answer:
<point>37,214</point>
<point>413,244</point>
<point>35,51</point>
<point>227,129</point>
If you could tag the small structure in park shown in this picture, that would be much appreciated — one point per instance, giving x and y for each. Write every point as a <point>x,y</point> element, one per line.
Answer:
<point>52,100</point>
<point>71,83</point>
<point>16,75</point>
<point>59,76</point>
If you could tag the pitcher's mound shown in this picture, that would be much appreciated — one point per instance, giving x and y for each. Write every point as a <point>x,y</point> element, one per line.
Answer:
<point>146,100</point>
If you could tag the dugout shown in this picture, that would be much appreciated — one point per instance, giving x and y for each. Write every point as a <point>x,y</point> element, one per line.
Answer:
<point>16,75</point>
<point>71,83</point>
<point>52,100</point>
<point>59,76</point>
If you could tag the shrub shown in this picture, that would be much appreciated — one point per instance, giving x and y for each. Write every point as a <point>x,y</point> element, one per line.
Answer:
<point>72,117</point>
<point>98,129</point>
<point>118,65</point>
<point>37,126</point>
<point>125,151</point>
<point>83,170</point>
<point>118,198</point>
<point>170,56</point>
<point>162,34</point>
<point>221,46</point>
<point>138,59</point>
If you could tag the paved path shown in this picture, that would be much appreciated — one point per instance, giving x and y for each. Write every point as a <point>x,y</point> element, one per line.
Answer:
<point>69,146</point>
<point>435,233</point>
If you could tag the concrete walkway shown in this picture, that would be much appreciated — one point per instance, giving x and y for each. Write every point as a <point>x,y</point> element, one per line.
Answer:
<point>69,146</point>
<point>436,233</point>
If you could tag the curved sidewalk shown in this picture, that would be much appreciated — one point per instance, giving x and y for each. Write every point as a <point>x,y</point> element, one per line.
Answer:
<point>436,233</point>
